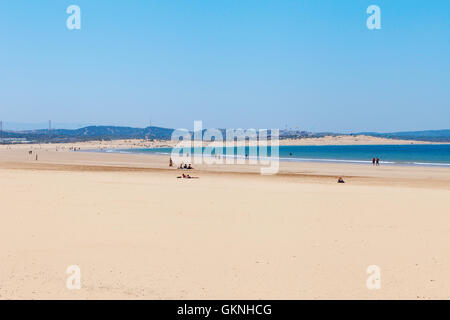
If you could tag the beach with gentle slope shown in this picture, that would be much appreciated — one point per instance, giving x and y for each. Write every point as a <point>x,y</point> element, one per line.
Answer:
<point>138,232</point>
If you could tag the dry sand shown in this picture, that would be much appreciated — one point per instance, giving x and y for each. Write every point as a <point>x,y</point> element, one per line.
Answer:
<point>138,232</point>
<point>139,143</point>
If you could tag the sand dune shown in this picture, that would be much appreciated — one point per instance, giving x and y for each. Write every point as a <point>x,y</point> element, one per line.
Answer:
<point>138,143</point>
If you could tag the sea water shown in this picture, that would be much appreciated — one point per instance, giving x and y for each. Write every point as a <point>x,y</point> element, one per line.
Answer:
<point>413,154</point>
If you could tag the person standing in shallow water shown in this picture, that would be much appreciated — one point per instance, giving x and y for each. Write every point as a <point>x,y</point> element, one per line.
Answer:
<point>378,161</point>
<point>373,161</point>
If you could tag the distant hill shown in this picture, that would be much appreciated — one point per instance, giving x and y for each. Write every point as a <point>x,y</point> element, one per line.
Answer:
<point>91,133</point>
<point>159,133</point>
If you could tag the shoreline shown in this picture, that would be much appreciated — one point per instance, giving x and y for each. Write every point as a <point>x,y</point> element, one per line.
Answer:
<point>93,161</point>
<point>122,146</point>
<point>307,160</point>
<point>287,159</point>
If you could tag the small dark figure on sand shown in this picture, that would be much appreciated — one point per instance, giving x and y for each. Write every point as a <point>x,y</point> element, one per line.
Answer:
<point>186,176</point>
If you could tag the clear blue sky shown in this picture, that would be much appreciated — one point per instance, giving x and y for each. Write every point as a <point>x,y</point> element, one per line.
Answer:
<point>231,63</point>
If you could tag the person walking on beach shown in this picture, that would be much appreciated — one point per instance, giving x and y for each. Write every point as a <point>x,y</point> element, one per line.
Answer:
<point>378,161</point>
<point>373,161</point>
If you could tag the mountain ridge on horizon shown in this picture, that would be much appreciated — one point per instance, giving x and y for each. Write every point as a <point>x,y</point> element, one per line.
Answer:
<point>161,133</point>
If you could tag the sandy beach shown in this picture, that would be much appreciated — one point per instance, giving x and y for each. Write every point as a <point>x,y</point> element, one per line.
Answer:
<point>138,232</point>
<point>139,143</point>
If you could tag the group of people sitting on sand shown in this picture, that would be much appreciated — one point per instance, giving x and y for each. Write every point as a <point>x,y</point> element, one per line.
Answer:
<point>182,166</point>
<point>185,166</point>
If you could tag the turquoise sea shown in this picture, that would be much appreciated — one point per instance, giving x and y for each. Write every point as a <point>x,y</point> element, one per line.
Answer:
<point>425,155</point>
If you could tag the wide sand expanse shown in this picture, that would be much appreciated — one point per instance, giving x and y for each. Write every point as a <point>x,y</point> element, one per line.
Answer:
<point>143,143</point>
<point>138,232</point>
